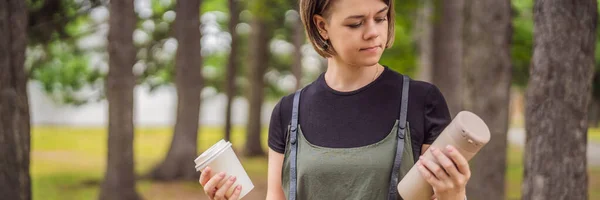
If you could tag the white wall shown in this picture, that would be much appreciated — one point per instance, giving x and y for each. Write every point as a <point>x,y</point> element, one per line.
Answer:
<point>151,109</point>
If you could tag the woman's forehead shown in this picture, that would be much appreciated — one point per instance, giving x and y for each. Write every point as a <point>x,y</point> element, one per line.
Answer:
<point>343,8</point>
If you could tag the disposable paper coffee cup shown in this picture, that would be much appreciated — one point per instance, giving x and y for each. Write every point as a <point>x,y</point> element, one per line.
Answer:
<point>221,158</point>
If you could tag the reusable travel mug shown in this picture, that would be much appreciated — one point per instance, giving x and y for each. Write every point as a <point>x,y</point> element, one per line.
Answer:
<point>467,133</point>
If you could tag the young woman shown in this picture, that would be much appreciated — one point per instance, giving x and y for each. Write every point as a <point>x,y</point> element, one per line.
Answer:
<point>357,129</point>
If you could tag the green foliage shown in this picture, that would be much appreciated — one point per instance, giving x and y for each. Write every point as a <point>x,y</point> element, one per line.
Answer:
<point>522,41</point>
<point>596,80</point>
<point>55,60</point>
<point>402,56</point>
<point>215,5</point>
<point>63,72</point>
<point>49,20</point>
<point>64,23</point>
<point>269,10</point>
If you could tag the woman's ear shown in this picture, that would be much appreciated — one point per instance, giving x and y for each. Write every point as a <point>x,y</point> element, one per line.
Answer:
<point>321,26</point>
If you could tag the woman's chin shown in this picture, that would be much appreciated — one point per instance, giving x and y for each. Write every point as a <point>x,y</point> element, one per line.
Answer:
<point>369,61</point>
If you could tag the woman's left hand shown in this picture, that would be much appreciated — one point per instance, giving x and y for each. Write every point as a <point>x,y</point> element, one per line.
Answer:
<point>448,178</point>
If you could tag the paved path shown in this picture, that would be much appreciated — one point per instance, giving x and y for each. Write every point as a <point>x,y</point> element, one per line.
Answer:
<point>517,136</point>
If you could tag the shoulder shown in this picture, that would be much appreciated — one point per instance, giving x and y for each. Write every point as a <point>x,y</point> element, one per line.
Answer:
<point>284,107</point>
<point>285,104</point>
<point>417,88</point>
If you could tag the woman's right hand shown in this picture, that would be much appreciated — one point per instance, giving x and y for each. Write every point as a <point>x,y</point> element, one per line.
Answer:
<point>216,187</point>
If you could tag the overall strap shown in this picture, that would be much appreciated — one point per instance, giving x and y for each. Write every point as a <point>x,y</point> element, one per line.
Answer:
<point>294,147</point>
<point>393,191</point>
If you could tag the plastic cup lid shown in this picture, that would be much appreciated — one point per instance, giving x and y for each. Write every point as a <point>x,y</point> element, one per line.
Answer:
<point>211,153</point>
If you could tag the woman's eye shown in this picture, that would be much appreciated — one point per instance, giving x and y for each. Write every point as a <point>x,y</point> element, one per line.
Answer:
<point>355,25</point>
<point>378,20</point>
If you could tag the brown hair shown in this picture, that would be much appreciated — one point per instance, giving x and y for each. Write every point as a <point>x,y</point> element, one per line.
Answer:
<point>309,8</point>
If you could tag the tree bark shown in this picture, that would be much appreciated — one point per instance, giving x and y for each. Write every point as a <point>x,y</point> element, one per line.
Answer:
<point>424,37</point>
<point>558,96</point>
<point>448,51</point>
<point>259,61</point>
<point>119,179</point>
<point>188,80</point>
<point>487,75</point>
<point>232,65</point>
<point>15,181</point>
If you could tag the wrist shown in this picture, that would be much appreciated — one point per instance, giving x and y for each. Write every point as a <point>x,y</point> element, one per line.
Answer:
<point>460,195</point>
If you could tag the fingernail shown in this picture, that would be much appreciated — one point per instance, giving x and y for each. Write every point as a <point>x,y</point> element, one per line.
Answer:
<point>232,178</point>
<point>449,148</point>
<point>420,157</point>
<point>239,187</point>
<point>222,174</point>
<point>433,148</point>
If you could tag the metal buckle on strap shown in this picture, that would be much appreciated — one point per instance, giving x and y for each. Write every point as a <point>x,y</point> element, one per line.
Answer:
<point>401,130</point>
<point>293,140</point>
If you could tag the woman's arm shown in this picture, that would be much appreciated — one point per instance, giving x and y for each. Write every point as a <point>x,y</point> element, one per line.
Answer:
<point>274,190</point>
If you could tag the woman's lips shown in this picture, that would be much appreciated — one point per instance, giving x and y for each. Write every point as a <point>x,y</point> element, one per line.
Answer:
<point>370,49</point>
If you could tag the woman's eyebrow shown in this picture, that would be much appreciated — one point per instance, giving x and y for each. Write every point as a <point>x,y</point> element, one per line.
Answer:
<point>362,16</point>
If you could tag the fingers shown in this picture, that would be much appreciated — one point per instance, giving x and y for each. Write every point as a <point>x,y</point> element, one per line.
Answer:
<point>446,163</point>
<point>427,175</point>
<point>434,168</point>
<point>211,185</point>
<point>236,193</point>
<point>223,181</point>
<point>461,162</point>
<point>222,191</point>
<point>205,176</point>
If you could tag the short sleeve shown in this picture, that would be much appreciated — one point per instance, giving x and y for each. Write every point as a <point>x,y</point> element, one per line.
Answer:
<point>276,139</point>
<point>437,115</point>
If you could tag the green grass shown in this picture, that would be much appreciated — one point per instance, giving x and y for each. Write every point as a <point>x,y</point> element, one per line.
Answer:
<point>514,172</point>
<point>68,162</point>
<point>514,175</point>
<point>63,159</point>
<point>594,135</point>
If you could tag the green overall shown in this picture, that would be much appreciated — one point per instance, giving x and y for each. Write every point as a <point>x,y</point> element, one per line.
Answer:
<point>370,172</point>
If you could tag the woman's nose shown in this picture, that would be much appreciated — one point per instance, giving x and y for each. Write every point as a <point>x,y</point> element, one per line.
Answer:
<point>371,31</point>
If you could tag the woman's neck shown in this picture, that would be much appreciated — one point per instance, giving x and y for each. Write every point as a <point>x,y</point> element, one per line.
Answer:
<point>345,78</point>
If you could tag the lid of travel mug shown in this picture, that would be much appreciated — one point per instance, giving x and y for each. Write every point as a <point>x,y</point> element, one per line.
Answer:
<point>474,126</point>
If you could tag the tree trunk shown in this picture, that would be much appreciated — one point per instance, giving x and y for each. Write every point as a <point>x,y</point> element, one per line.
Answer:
<point>447,52</point>
<point>119,179</point>
<point>487,75</point>
<point>424,37</point>
<point>558,96</point>
<point>15,181</point>
<point>188,80</point>
<point>298,41</point>
<point>260,57</point>
<point>232,65</point>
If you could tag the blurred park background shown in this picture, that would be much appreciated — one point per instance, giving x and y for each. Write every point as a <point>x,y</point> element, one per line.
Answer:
<point>114,99</point>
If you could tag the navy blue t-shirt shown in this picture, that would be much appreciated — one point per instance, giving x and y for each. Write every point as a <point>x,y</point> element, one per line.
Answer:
<point>334,119</point>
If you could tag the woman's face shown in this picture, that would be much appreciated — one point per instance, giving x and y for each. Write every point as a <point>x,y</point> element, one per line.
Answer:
<point>357,30</point>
